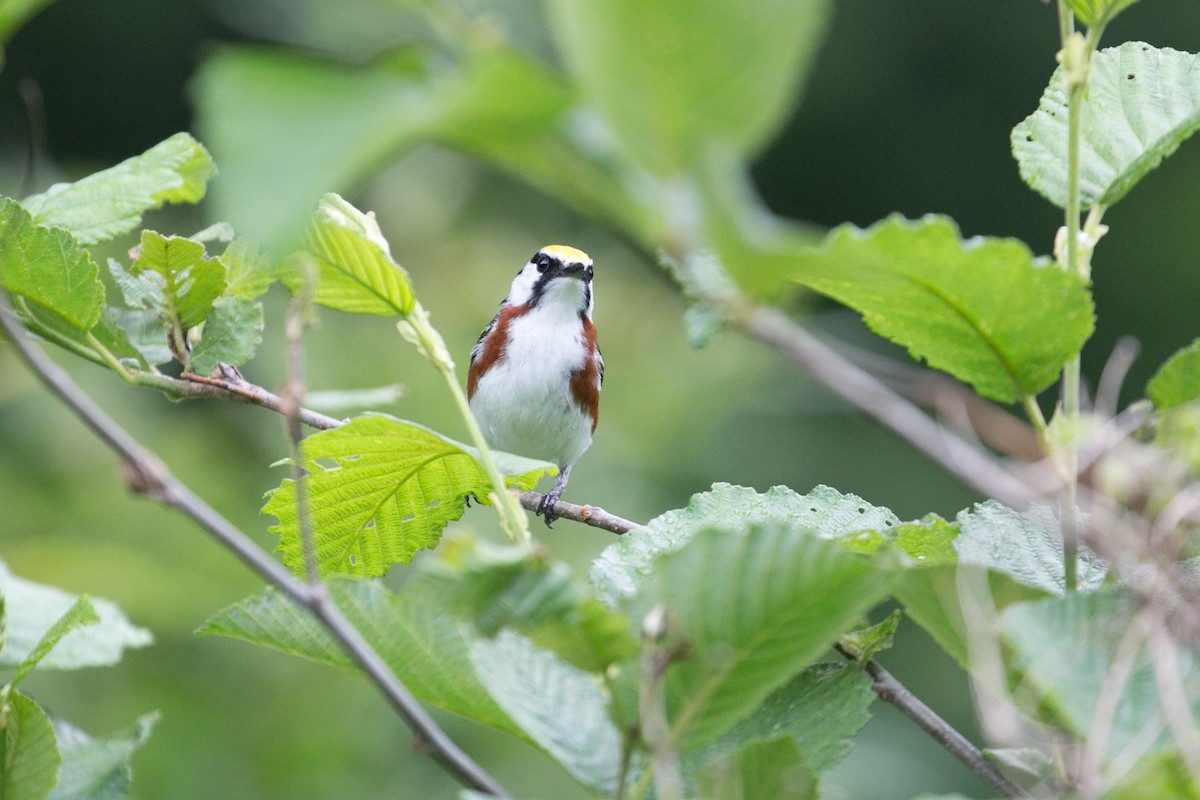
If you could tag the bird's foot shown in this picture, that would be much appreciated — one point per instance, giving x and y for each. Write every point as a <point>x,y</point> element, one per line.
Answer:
<point>545,508</point>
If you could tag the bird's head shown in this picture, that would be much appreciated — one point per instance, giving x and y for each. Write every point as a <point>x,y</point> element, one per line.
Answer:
<point>558,276</point>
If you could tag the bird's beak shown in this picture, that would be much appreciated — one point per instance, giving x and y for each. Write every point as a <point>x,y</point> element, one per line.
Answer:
<point>577,270</point>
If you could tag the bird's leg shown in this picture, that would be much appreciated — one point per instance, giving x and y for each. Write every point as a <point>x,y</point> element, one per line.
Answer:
<point>551,497</point>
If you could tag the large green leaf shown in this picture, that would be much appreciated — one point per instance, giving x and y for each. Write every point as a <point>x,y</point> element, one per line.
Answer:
<point>756,606</point>
<point>48,266</point>
<point>392,487</point>
<point>623,566</point>
<point>232,332</point>
<point>676,75</point>
<point>1178,380</point>
<point>1098,12</point>
<point>33,610</point>
<point>30,765</point>
<point>111,202</point>
<point>1141,103</point>
<point>984,310</point>
<point>429,650</point>
<point>351,263</point>
<point>98,769</point>
<point>561,708</point>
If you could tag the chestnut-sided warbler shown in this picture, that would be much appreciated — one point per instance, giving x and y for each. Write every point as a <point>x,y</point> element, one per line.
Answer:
<point>535,376</point>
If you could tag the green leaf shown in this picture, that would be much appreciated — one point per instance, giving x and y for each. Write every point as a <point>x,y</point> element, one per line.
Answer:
<point>248,272</point>
<point>561,708</point>
<point>865,643</point>
<point>34,608</point>
<point>673,76</point>
<point>31,759</point>
<point>1161,774</point>
<point>393,487</point>
<point>951,302</point>
<point>1178,380</point>
<point>98,769</point>
<point>351,263</point>
<point>623,566</point>
<point>1142,102</point>
<point>429,650</point>
<point>1026,546</point>
<point>232,333</point>
<point>1098,12</point>
<point>1067,647</point>
<point>47,266</point>
<point>145,331</point>
<point>522,589</point>
<point>756,607</point>
<point>191,281</point>
<point>79,614</point>
<point>54,328</point>
<point>762,770</point>
<point>111,202</point>
<point>14,14</point>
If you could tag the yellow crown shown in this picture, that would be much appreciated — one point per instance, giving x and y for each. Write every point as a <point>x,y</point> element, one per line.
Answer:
<point>566,253</point>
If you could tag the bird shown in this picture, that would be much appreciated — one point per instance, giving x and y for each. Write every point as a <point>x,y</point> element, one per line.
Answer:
<point>536,371</point>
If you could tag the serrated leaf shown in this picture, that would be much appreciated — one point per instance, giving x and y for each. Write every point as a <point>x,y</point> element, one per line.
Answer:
<point>351,263</point>
<point>428,649</point>
<point>1142,102</point>
<point>561,708</point>
<point>111,202</point>
<point>232,333</point>
<point>392,490</point>
<point>1067,647</point>
<point>515,587</point>
<point>674,76</point>
<point>48,266</point>
<point>951,302</point>
<point>1178,380</point>
<point>191,281</point>
<point>98,769</point>
<point>762,770</point>
<point>621,568</point>
<point>30,765</point>
<point>1026,546</point>
<point>756,607</point>
<point>80,613</point>
<point>33,608</point>
<point>54,328</point>
<point>248,272</point>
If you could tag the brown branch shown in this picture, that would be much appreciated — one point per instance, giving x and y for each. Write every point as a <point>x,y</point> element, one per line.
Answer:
<point>589,515</point>
<point>146,473</point>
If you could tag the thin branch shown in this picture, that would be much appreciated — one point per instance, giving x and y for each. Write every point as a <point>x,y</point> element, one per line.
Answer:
<point>146,473</point>
<point>892,691</point>
<point>589,515</point>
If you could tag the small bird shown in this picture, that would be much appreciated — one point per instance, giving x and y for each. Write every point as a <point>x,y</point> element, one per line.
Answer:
<point>536,372</point>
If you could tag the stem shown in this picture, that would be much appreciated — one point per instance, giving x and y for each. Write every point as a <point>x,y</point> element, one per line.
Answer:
<point>293,397</point>
<point>146,473</point>
<point>110,360</point>
<point>657,655</point>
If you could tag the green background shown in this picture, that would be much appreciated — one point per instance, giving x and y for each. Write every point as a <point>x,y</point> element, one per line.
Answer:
<point>908,109</point>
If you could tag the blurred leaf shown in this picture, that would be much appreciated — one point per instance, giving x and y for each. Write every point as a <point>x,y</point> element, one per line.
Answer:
<point>80,613</point>
<point>232,333</point>
<point>111,202</point>
<point>820,710</point>
<point>190,280</point>
<point>675,75</point>
<point>429,650</point>
<point>1067,647</point>
<point>1162,774</point>
<point>757,605</point>
<point>1142,102</point>
<point>561,708</point>
<point>33,608</point>
<point>393,487</point>
<point>248,272</point>
<point>337,401</point>
<point>623,566</point>
<point>98,769</point>
<point>514,587</point>
<point>49,267</point>
<point>951,302</point>
<point>762,770</point>
<point>1025,545</point>
<point>1098,12</point>
<point>865,643</point>
<point>146,332</point>
<point>351,263</point>
<point>14,14</point>
<point>1027,765</point>
<point>1178,380</point>
<point>30,765</point>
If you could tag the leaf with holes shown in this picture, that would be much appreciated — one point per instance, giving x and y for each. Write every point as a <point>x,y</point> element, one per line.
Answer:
<point>380,489</point>
<point>111,202</point>
<point>984,310</point>
<point>1141,103</point>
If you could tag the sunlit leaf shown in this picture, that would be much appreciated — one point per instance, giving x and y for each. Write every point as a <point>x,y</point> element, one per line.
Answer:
<point>1141,103</point>
<point>98,769</point>
<point>49,267</point>
<point>1098,12</point>
<point>951,302</point>
<point>232,333</point>
<point>111,202</point>
<point>248,272</point>
<point>381,489</point>
<point>1178,380</point>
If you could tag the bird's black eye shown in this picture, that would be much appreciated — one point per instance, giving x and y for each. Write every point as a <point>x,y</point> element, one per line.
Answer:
<point>542,261</point>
